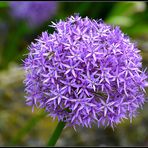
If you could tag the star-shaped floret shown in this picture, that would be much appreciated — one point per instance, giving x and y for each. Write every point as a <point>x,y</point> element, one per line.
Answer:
<point>94,52</point>
<point>107,106</point>
<point>69,83</point>
<point>118,76</point>
<point>92,79</point>
<point>72,67</point>
<point>58,94</point>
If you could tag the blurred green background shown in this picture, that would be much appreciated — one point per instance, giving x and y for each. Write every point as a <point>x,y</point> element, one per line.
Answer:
<point>19,126</point>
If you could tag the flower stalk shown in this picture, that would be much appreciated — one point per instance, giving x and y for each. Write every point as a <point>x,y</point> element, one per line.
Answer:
<point>56,134</point>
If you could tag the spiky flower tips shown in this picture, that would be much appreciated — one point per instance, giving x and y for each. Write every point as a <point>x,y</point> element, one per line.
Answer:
<point>85,72</point>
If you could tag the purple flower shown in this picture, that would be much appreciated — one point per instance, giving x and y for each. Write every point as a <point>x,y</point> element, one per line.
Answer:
<point>85,72</point>
<point>35,13</point>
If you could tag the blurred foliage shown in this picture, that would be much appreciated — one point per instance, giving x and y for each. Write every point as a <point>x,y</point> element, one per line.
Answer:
<point>18,125</point>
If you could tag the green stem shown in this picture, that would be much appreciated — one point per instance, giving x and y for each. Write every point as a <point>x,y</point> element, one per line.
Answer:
<point>56,134</point>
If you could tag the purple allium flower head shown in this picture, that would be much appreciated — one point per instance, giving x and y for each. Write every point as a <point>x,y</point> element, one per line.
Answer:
<point>35,13</point>
<point>85,72</point>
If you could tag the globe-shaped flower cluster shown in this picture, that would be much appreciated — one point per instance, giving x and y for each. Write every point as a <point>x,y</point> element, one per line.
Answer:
<point>35,13</point>
<point>85,72</point>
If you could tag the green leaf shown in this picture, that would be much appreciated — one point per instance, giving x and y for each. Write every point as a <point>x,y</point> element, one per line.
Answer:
<point>120,20</point>
<point>13,43</point>
<point>82,8</point>
<point>3,4</point>
<point>123,13</point>
<point>127,8</point>
<point>137,30</point>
